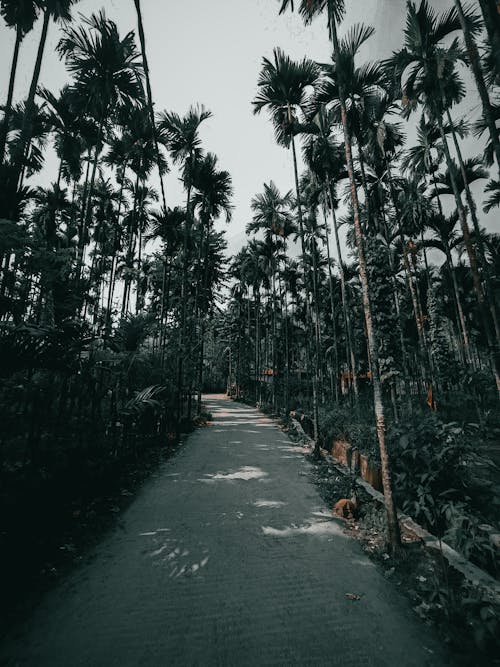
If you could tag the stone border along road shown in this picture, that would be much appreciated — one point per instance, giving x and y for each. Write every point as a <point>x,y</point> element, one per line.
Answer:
<point>226,557</point>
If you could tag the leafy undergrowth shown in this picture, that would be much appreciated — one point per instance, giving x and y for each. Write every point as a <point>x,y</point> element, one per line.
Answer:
<point>465,618</point>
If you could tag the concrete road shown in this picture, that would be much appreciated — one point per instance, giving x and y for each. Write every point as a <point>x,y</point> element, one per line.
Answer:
<point>226,557</point>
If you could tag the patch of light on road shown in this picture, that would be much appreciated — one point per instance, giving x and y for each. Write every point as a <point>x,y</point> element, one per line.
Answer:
<point>318,529</point>
<point>296,450</point>
<point>245,473</point>
<point>364,563</point>
<point>269,503</point>
<point>153,532</point>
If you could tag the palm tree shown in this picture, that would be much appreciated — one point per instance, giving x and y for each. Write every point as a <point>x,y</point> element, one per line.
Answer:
<point>137,221</point>
<point>181,137</point>
<point>107,75</point>
<point>21,15</point>
<point>443,227</point>
<point>335,12</point>
<point>212,198</point>
<point>286,91</point>
<point>60,12</point>
<point>167,226</point>
<point>272,216</point>
<point>70,130</point>
<point>149,99</point>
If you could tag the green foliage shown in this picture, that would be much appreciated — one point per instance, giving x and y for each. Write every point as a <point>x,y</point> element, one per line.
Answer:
<point>466,533</point>
<point>341,422</point>
<point>133,331</point>
<point>146,400</point>
<point>427,457</point>
<point>435,482</point>
<point>468,615</point>
<point>30,346</point>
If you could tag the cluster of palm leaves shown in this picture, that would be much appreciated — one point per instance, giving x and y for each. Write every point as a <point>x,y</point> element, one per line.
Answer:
<point>311,324</point>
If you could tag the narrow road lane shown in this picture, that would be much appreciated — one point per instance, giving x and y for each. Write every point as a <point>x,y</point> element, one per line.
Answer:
<point>226,557</point>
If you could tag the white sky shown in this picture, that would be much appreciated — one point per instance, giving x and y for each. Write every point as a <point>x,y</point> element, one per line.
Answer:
<point>210,51</point>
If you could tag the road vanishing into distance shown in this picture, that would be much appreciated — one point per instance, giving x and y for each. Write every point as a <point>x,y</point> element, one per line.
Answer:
<point>227,556</point>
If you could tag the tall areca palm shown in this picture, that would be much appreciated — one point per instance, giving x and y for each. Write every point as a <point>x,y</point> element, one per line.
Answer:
<point>149,98</point>
<point>181,136</point>
<point>167,227</point>
<point>272,216</point>
<point>107,75</point>
<point>285,90</point>
<point>20,15</point>
<point>69,128</point>
<point>212,199</point>
<point>137,221</point>
<point>335,12</point>
<point>326,160</point>
<point>59,11</point>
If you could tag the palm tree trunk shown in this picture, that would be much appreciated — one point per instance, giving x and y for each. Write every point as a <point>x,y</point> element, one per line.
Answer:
<point>114,260</point>
<point>491,17</point>
<point>351,357</point>
<point>87,209</point>
<point>129,259</point>
<point>392,520</point>
<point>162,308</point>
<point>145,65</point>
<point>316,313</point>
<point>182,333</point>
<point>311,366</point>
<point>284,301</point>
<point>10,94</point>
<point>26,129</point>
<point>166,300</point>
<point>258,397</point>
<point>461,317</point>
<point>274,339</point>
<point>335,374</point>
<point>397,307</point>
